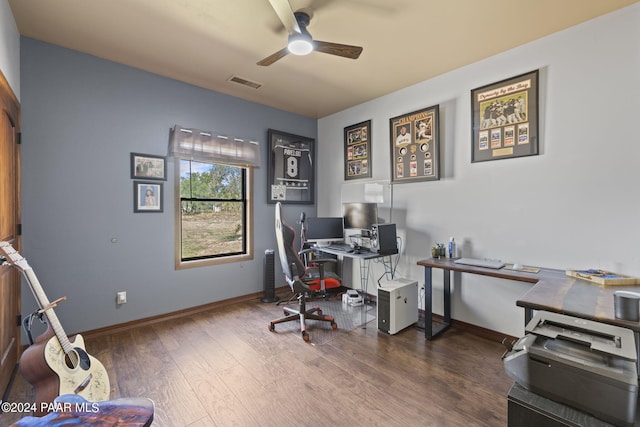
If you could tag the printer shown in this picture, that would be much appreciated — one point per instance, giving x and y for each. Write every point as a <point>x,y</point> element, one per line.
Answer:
<point>588,365</point>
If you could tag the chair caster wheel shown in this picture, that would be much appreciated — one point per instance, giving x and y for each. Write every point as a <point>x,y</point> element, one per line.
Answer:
<point>305,336</point>
<point>272,327</point>
<point>334,325</point>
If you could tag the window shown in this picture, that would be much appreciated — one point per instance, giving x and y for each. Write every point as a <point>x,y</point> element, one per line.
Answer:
<point>214,214</point>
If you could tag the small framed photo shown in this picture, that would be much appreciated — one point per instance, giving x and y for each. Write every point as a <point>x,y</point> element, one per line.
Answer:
<point>357,151</point>
<point>504,119</point>
<point>147,166</point>
<point>147,196</point>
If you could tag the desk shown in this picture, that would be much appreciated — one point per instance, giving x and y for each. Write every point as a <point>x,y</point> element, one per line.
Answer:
<point>576,297</point>
<point>364,260</point>
<point>448,265</point>
<point>579,298</point>
<point>552,290</point>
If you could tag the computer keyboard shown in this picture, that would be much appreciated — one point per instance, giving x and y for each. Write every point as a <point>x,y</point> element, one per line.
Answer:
<point>344,247</point>
<point>476,262</point>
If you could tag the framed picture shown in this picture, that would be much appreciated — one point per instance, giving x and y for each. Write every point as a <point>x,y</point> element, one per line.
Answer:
<point>291,168</point>
<point>415,146</point>
<point>147,196</point>
<point>146,166</point>
<point>505,119</point>
<point>357,151</point>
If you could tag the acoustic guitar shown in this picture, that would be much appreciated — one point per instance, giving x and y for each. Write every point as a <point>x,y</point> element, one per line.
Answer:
<point>55,365</point>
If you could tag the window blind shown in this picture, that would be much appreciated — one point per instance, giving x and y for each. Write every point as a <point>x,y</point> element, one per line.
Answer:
<point>209,146</point>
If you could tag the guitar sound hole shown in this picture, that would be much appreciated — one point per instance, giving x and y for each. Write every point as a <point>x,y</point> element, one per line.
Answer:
<point>77,357</point>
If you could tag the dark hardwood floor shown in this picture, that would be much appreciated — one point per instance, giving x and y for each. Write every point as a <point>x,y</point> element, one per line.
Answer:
<point>224,368</point>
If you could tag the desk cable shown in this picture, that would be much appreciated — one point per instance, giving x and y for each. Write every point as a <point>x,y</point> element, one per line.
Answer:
<point>391,267</point>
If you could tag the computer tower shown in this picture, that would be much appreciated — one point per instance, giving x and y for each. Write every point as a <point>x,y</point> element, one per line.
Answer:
<point>383,239</point>
<point>397,305</point>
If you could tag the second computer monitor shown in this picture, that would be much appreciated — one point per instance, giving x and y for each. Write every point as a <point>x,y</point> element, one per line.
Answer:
<point>360,216</point>
<point>324,231</point>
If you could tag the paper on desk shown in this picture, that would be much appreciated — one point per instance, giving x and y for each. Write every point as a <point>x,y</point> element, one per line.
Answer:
<point>524,269</point>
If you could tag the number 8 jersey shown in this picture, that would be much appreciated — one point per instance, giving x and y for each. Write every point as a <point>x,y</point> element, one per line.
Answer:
<point>296,164</point>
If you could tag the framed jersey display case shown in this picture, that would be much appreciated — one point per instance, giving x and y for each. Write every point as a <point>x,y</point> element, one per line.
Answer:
<point>291,168</point>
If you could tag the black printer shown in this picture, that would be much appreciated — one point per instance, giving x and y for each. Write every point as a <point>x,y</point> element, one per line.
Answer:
<point>588,365</point>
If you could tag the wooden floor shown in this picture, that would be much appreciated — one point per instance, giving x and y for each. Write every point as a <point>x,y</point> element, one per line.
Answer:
<point>224,368</point>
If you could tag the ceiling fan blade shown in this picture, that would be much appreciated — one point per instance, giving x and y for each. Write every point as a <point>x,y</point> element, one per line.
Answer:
<point>344,50</point>
<point>274,57</point>
<point>285,13</point>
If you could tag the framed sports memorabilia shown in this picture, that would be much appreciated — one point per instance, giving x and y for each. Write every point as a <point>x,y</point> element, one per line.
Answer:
<point>505,119</point>
<point>357,151</point>
<point>415,146</point>
<point>291,168</point>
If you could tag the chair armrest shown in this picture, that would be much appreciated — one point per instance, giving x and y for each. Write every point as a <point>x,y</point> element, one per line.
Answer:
<point>297,285</point>
<point>317,260</point>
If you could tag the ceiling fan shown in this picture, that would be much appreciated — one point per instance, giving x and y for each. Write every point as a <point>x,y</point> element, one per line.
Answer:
<point>300,41</point>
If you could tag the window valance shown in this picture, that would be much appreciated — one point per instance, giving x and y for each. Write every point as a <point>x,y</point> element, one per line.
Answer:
<point>209,146</point>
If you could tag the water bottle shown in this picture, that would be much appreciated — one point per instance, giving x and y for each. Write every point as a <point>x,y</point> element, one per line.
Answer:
<point>452,248</point>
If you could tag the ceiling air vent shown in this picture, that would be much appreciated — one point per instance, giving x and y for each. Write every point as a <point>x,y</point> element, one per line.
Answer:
<point>245,82</point>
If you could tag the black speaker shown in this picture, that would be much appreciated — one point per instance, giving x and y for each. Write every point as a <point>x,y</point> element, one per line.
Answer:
<point>269,281</point>
<point>383,239</point>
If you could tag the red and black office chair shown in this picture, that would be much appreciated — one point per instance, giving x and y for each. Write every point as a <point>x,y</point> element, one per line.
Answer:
<point>298,278</point>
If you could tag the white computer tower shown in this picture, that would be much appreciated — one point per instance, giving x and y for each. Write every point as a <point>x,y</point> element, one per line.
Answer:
<point>397,305</point>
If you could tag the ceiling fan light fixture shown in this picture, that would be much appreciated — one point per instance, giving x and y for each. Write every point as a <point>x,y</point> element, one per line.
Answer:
<point>300,44</point>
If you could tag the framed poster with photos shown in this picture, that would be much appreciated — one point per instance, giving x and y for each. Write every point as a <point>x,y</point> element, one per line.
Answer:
<point>504,118</point>
<point>357,151</point>
<point>147,166</point>
<point>291,168</point>
<point>415,146</point>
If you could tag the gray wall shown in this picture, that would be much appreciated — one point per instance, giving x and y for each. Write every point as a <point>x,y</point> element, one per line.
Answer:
<point>81,118</point>
<point>574,206</point>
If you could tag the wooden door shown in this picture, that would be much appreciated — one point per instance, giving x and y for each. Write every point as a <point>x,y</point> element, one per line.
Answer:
<point>9,223</point>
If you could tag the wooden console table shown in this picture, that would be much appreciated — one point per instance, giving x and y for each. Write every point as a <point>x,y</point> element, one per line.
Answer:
<point>552,290</point>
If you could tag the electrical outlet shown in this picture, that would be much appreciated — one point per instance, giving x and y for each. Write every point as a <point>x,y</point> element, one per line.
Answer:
<point>121,297</point>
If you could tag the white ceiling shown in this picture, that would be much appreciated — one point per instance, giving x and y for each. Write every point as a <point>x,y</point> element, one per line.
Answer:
<point>205,42</point>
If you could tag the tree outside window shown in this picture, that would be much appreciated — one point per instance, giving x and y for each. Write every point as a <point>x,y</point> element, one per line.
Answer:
<point>214,212</point>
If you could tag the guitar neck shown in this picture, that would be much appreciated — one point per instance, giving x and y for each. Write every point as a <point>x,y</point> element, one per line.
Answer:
<point>43,302</point>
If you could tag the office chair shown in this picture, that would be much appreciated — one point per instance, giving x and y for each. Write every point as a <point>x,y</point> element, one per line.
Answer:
<point>318,279</point>
<point>296,275</point>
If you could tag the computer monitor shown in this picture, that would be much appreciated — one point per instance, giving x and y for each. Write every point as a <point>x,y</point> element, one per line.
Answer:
<point>324,231</point>
<point>360,215</point>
